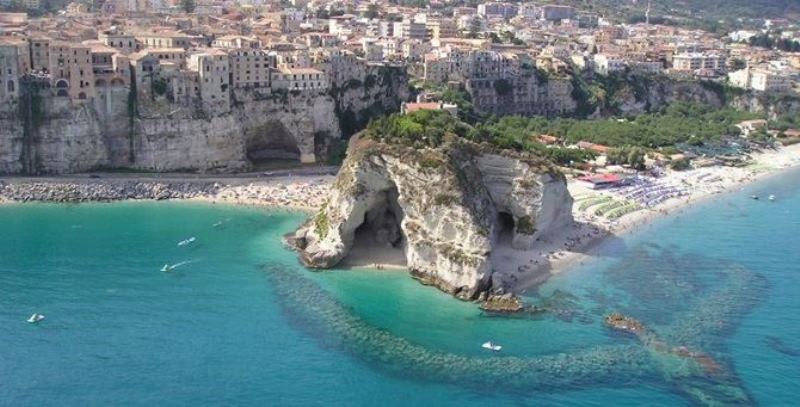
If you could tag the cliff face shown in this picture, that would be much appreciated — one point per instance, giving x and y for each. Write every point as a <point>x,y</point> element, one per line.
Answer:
<point>633,95</point>
<point>154,135</point>
<point>378,90</point>
<point>101,134</point>
<point>446,208</point>
<point>651,95</point>
<point>773,107</point>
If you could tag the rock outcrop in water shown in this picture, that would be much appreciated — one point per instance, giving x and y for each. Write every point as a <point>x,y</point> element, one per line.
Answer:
<point>446,207</point>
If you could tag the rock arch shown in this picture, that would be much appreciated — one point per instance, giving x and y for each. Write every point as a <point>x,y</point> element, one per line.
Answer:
<point>379,238</point>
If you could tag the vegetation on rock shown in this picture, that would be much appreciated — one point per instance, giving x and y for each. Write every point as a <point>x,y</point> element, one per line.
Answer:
<point>630,139</point>
<point>526,225</point>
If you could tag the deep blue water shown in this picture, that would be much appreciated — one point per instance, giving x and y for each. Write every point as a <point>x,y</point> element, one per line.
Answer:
<point>242,323</point>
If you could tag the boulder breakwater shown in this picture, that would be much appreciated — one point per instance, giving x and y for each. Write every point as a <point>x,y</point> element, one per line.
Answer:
<point>104,191</point>
<point>300,192</point>
<point>694,368</point>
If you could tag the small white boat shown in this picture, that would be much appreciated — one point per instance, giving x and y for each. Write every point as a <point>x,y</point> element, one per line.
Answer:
<point>35,318</point>
<point>166,267</point>
<point>772,197</point>
<point>187,241</point>
<point>218,224</point>
<point>491,346</point>
<point>754,197</point>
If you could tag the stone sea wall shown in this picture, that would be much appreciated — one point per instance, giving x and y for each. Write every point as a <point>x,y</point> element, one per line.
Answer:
<point>104,191</point>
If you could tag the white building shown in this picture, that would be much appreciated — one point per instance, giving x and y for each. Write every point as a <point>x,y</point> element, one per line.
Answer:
<point>693,61</point>
<point>300,80</point>
<point>605,64</point>
<point>760,79</point>
<point>503,10</point>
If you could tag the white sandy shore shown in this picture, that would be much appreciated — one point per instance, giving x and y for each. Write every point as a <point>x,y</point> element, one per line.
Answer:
<point>298,192</point>
<point>575,246</point>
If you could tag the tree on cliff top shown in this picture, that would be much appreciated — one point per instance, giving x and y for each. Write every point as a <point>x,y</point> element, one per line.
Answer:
<point>422,128</point>
<point>430,128</point>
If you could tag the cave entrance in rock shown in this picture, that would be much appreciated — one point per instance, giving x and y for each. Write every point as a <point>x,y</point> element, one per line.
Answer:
<point>505,228</point>
<point>379,240</point>
<point>272,146</point>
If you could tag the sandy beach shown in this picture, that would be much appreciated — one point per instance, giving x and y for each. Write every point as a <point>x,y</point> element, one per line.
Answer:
<point>559,253</point>
<point>298,192</point>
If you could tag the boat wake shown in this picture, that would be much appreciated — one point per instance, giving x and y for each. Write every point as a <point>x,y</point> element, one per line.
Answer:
<point>187,242</point>
<point>170,267</point>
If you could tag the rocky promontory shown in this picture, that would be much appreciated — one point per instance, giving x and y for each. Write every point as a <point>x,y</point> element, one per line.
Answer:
<point>446,206</point>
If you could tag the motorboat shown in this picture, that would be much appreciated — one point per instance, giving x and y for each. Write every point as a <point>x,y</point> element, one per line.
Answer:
<point>772,197</point>
<point>491,346</point>
<point>187,241</point>
<point>35,318</point>
<point>167,267</point>
<point>754,197</point>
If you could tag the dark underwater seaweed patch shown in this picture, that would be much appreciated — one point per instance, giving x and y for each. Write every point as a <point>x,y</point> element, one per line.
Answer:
<point>702,321</point>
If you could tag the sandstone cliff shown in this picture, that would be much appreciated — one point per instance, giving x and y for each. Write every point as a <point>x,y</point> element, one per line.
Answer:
<point>447,208</point>
<point>154,134</point>
<point>631,94</point>
<point>376,91</point>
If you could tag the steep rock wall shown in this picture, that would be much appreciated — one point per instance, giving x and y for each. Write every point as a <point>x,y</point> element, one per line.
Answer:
<point>111,131</point>
<point>634,94</point>
<point>379,90</point>
<point>443,207</point>
<point>72,137</point>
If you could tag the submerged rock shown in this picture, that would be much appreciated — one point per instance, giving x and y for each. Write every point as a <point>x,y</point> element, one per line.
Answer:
<point>502,304</point>
<point>446,207</point>
<point>625,324</point>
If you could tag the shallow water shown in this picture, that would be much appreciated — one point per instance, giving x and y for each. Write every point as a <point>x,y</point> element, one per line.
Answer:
<point>241,323</point>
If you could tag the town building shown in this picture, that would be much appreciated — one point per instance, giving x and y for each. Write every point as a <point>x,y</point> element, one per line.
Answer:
<point>606,64</point>
<point>693,61</point>
<point>499,9</point>
<point>250,68</point>
<point>71,71</point>
<point>213,70</point>
<point>300,80</point>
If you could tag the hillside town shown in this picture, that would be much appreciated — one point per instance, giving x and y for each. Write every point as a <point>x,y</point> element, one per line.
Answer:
<point>511,58</point>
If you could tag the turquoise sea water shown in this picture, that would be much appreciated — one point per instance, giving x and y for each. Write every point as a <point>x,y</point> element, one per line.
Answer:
<point>241,323</point>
